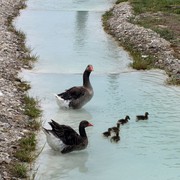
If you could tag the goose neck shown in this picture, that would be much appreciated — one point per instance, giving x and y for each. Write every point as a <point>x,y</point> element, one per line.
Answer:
<point>86,81</point>
<point>82,131</point>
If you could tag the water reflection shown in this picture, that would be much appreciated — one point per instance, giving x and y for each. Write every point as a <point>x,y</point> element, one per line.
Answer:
<point>58,166</point>
<point>80,29</point>
<point>113,91</point>
<point>71,116</point>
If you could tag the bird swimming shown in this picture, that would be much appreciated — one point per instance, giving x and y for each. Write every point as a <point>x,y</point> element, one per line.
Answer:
<point>65,139</point>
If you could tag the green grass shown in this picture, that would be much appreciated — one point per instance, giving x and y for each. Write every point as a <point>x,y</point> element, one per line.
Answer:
<point>28,143</point>
<point>174,80</point>
<point>24,86</point>
<point>31,107</point>
<point>165,33</point>
<point>105,18</point>
<point>19,170</point>
<point>142,6</point>
<point>120,1</point>
<point>140,63</point>
<point>26,146</point>
<point>34,124</point>
<point>27,57</point>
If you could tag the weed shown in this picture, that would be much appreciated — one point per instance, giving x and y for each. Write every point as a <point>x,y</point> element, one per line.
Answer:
<point>28,143</point>
<point>174,80</point>
<point>34,124</point>
<point>105,17</point>
<point>31,108</point>
<point>19,170</point>
<point>120,1</point>
<point>142,6</point>
<point>165,33</point>
<point>26,146</point>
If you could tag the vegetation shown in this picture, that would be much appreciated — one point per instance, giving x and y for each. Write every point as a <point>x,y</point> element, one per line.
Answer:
<point>107,15</point>
<point>174,81</point>
<point>28,56</point>
<point>160,16</point>
<point>120,1</point>
<point>143,6</point>
<point>31,107</point>
<point>26,146</point>
<point>19,170</point>
<point>24,153</point>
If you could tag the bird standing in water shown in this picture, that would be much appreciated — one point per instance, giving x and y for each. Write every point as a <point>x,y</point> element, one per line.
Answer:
<point>77,96</point>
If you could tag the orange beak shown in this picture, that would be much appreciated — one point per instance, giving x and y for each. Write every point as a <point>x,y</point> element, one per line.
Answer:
<point>90,124</point>
<point>91,68</point>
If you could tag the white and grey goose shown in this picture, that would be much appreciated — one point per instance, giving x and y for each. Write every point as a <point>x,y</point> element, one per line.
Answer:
<point>77,96</point>
<point>65,139</point>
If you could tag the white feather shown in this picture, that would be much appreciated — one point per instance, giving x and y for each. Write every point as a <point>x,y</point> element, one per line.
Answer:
<point>61,102</point>
<point>54,142</point>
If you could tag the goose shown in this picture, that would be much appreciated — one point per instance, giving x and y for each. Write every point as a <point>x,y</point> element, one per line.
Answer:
<point>107,133</point>
<point>123,121</point>
<point>65,139</point>
<point>77,96</point>
<point>142,117</point>
<point>116,128</point>
<point>115,138</point>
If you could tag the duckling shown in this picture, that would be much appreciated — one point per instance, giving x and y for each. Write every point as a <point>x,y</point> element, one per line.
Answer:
<point>115,138</point>
<point>123,121</point>
<point>116,128</point>
<point>107,133</point>
<point>142,117</point>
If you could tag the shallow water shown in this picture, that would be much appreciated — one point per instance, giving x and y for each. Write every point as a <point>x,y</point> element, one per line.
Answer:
<point>70,38</point>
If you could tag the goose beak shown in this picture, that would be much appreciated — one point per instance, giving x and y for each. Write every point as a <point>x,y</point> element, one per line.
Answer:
<point>90,124</point>
<point>91,68</point>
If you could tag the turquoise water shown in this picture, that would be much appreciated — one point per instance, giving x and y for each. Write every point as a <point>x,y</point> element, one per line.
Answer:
<point>68,35</point>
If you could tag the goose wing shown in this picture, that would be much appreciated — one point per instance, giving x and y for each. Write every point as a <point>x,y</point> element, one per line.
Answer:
<point>73,93</point>
<point>67,135</point>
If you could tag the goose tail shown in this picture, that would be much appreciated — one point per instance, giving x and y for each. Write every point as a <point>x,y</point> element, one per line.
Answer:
<point>61,102</point>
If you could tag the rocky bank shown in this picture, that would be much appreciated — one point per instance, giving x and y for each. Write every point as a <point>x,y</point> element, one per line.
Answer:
<point>146,41</point>
<point>12,118</point>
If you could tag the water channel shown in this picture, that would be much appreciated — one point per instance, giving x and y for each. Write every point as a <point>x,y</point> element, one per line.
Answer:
<point>68,35</point>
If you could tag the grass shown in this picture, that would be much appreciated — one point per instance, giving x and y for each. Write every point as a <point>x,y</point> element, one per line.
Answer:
<point>23,85</point>
<point>31,107</point>
<point>143,6</point>
<point>174,80</point>
<point>34,124</point>
<point>27,57</point>
<point>160,16</point>
<point>26,146</point>
<point>140,62</point>
<point>107,15</point>
<point>120,1</point>
<point>19,170</point>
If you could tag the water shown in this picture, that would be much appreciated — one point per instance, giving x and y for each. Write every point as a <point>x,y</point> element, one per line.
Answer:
<point>68,35</point>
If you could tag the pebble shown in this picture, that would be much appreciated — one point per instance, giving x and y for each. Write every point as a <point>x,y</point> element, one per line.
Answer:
<point>144,40</point>
<point>11,106</point>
